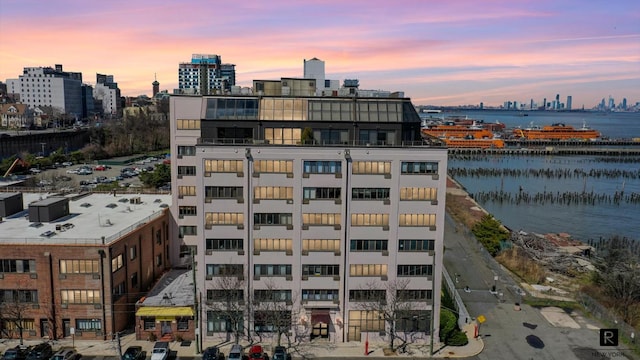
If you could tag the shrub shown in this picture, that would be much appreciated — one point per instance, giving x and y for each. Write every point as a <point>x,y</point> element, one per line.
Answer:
<point>152,337</point>
<point>457,338</point>
<point>448,323</point>
<point>490,233</point>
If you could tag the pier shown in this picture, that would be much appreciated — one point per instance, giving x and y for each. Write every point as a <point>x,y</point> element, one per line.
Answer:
<point>602,148</point>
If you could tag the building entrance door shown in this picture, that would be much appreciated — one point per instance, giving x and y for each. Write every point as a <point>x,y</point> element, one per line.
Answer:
<point>165,326</point>
<point>66,327</point>
<point>45,330</point>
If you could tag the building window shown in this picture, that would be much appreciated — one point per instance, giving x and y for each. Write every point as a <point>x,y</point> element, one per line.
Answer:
<point>88,324</point>
<point>371,167</point>
<point>322,167</point>
<point>79,267</point>
<point>367,295</point>
<point>186,170</point>
<point>272,270</point>
<point>159,260</point>
<point>133,253</point>
<point>273,193</point>
<point>183,323</point>
<point>415,270</point>
<point>186,150</point>
<point>119,290</point>
<point>322,193</point>
<point>225,269</point>
<point>413,321</point>
<point>222,321</point>
<point>318,245</point>
<point>134,280</point>
<point>223,192</point>
<point>369,219</point>
<point>321,218</point>
<point>272,218</point>
<point>225,244</point>
<point>272,244</point>
<point>117,263</point>
<point>369,245</point>
<point>320,270</point>
<point>283,136</point>
<point>414,295</point>
<point>149,323</point>
<point>186,191</point>
<point>223,218</point>
<point>272,295</point>
<point>225,295</point>
<point>358,270</point>
<point>80,296</point>
<point>17,266</point>
<point>418,193</point>
<point>187,230</point>
<point>417,220</point>
<point>10,326</point>
<point>183,124</point>
<point>414,245</point>
<point>273,166</point>
<point>419,167</point>
<point>187,210</point>
<point>223,166</point>
<point>366,320</point>
<point>370,193</point>
<point>18,296</point>
<point>320,294</point>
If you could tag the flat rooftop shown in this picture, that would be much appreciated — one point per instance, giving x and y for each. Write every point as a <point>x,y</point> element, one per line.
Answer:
<point>175,288</point>
<point>93,219</point>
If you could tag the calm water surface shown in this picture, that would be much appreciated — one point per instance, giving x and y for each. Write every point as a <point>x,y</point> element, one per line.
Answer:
<point>581,221</point>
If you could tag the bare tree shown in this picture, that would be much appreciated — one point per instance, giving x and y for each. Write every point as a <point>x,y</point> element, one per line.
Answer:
<point>273,311</point>
<point>391,304</point>
<point>618,273</point>
<point>227,302</point>
<point>15,307</point>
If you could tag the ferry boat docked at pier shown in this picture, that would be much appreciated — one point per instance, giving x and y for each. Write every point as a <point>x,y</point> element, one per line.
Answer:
<point>556,132</point>
<point>462,135</point>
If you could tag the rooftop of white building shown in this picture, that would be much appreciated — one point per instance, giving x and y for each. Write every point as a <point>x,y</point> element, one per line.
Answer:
<point>92,220</point>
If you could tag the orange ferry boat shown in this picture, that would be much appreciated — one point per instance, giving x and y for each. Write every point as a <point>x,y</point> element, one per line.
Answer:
<point>448,130</point>
<point>556,132</point>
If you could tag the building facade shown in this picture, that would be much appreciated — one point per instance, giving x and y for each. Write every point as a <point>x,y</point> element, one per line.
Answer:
<point>309,215</point>
<point>78,263</point>
<point>46,86</point>
<point>205,75</point>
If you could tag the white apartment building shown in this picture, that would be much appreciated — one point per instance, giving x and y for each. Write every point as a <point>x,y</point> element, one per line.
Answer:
<point>46,86</point>
<point>312,214</point>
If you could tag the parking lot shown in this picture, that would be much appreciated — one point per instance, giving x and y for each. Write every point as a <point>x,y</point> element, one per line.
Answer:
<point>85,177</point>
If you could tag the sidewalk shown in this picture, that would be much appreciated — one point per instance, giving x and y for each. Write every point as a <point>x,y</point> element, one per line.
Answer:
<point>108,349</point>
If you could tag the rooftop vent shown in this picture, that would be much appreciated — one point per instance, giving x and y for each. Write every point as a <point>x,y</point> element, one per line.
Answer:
<point>135,200</point>
<point>85,205</point>
<point>112,206</point>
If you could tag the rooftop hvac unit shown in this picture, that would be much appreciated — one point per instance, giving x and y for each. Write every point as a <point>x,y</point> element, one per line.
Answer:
<point>135,200</point>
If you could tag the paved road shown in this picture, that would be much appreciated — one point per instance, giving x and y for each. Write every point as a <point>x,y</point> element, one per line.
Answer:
<point>509,334</point>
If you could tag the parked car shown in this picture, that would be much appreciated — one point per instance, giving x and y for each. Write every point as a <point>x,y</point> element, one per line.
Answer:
<point>133,353</point>
<point>42,351</point>
<point>16,353</point>
<point>256,352</point>
<point>35,171</point>
<point>66,354</point>
<point>100,168</point>
<point>280,353</point>
<point>212,353</point>
<point>160,351</point>
<point>236,352</point>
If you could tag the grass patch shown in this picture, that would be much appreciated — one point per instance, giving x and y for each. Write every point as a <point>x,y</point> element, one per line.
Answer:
<point>516,260</point>
<point>542,302</point>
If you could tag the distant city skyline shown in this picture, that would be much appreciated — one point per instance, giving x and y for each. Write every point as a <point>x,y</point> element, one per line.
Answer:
<point>437,53</point>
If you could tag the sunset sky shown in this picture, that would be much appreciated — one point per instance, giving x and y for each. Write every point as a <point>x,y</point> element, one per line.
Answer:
<point>437,52</point>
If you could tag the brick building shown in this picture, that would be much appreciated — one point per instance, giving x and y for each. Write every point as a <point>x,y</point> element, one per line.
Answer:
<point>78,262</point>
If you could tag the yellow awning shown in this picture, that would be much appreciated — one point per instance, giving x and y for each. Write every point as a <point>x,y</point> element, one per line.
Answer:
<point>164,311</point>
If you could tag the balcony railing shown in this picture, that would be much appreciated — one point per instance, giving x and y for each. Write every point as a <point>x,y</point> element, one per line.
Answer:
<point>327,143</point>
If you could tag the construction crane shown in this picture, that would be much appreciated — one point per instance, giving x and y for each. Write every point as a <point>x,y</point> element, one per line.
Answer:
<point>16,162</point>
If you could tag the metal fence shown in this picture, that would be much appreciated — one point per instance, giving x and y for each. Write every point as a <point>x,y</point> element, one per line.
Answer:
<point>609,318</point>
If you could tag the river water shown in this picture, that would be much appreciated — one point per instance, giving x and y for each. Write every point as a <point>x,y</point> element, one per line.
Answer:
<point>610,183</point>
